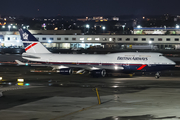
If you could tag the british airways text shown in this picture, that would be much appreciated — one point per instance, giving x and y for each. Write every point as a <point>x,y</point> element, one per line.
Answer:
<point>132,58</point>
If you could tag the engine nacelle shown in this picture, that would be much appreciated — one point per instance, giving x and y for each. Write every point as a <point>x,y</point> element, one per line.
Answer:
<point>98,73</point>
<point>65,71</point>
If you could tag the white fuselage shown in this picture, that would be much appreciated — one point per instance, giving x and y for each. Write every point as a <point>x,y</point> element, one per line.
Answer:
<point>101,61</point>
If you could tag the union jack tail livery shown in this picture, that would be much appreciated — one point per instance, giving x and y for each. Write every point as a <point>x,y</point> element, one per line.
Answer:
<point>31,44</point>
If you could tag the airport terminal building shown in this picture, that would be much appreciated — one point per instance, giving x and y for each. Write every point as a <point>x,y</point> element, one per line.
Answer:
<point>97,41</point>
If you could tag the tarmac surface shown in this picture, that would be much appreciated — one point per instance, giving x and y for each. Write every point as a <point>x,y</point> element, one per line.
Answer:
<point>46,95</point>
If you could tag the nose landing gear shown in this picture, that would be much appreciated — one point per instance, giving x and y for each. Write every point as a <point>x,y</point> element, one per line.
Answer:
<point>157,75</point>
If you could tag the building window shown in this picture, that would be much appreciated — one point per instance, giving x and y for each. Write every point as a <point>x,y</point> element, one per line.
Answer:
<point>104,39</point>
<point>81,39</point>
<point>176,39</point>
<point>65,38</point>
<point>14,38</point>
<point>143,39</point>
<point>89,38</point>
<point>159,39</point>
<point>43,38</point>
<point>168,39</point>
<point>152,39</point>
<point>97,39</point>
<point>73,38</point>
<point>58,38</point>
<point>8,38</point>
<point>127,39</point>
<point>135,39</point>
<point>119,39</point>
<point>51,38</point>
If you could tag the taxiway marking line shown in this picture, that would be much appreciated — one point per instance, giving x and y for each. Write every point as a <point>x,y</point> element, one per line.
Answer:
<point>74,112</point>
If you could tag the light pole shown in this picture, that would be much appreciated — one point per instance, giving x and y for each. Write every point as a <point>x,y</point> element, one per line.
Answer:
<point>139,26</point>
<point>9,26</point>
<point>87,26</point>
<point>103,28</point>
<point>177,26</point>
<point>123,26</point>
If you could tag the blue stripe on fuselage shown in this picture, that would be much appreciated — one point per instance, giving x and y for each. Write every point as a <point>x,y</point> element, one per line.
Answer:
<point>127,67</point>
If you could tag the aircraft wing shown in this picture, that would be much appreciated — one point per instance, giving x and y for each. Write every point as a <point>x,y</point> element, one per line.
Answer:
<point>86,67</point>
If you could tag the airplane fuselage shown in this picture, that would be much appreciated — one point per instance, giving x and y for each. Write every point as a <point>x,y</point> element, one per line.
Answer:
<point>127,61</point>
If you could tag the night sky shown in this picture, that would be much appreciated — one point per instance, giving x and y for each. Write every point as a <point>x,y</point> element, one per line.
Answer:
<point>33,8</point>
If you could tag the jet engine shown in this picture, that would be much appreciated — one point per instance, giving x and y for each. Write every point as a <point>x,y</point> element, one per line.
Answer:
<point>98,73</point>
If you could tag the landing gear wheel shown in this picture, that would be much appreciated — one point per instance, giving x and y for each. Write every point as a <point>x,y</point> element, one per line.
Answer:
<point>157,76</point>
<point>103,73</point>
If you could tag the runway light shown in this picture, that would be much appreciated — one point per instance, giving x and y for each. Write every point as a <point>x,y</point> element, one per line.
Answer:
<point>0,78</point>
<point>20,80</point>
<point>27,84</point>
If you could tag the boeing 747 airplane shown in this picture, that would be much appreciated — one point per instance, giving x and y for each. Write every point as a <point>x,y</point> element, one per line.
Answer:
<point>98,65</point>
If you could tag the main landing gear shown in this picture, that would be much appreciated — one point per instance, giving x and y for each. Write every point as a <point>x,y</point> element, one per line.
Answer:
<point>157,75</point>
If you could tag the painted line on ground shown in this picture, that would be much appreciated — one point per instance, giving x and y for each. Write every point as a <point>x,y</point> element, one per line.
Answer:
<point>83,109</point>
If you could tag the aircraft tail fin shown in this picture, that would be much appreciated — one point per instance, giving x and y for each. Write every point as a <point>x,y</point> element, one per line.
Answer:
<point>31,44</point>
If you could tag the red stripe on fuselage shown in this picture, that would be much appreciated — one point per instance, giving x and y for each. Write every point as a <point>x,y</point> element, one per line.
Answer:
<point>30,46</point>
<point>140,68</point>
